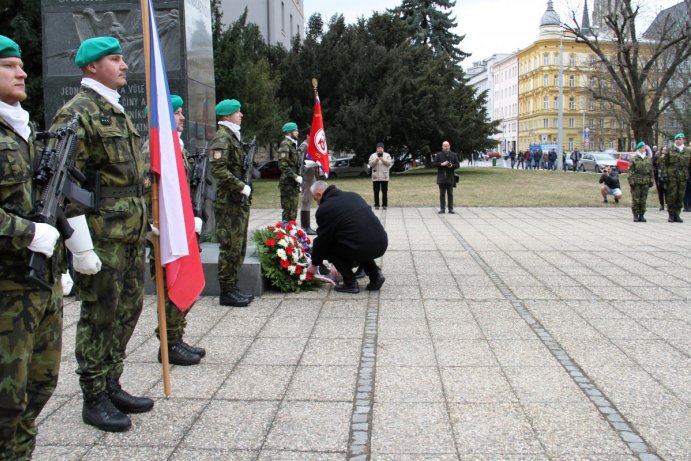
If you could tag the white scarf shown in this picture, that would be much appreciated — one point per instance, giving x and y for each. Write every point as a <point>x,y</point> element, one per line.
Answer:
<point>182,143</point>
<point>232,127</point>
<point>680,147</point>
<point>294,141</point>
<point>641,154</point>
<point>111,95</point>
<point>17,118</point>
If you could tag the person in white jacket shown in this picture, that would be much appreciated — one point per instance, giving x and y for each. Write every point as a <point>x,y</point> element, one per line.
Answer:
<point>380,163</point>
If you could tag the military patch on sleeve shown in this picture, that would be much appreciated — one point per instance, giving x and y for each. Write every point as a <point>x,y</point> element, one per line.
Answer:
<point>105,120</point>
<point>282,155</point>
<point>218,154</point>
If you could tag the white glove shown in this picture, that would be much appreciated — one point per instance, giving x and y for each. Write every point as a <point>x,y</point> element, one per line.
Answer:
<point>84,259</point>
<point>45,238</point>
<point>246,191</point>
<point>198,225</point>
<point>155,231</point>
<point>298,179</point>
<point>67,283</point>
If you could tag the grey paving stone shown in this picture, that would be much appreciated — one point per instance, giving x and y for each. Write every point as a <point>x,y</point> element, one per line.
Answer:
<point>523,352</point>
<point>287,327</point>
<point>653,353</point>
<point>344,309</point>
<point>231,425</point>
<point>58,452</point>
<point>631,386</point>
<point>411,428</point>
<point>324,383</point>
<point>395,309</point>
<point>192,382</point>
<point>505,457</point>
<point>666,426</point>
<point>310,426</point>
<point>402,329</point>
<point>622,329</point>
<point>455,328</point>
<point>476,385</point>
<point>99,453</point>
<point>320,351</point>
<point>256,382</point>
<point>238,326</point>
<point>225,351</point>
<point>493,428</point>
<point>405,352</point>
<point>467,353</point>
<point>447,309</point>
<point>200,454</point>
<point>543,385</point>
<point>283,455</point>
<point>413,457</point>
<point>503,328</point>
<point>275,351</point>
<point>408,384</point>
<point>339,328</point>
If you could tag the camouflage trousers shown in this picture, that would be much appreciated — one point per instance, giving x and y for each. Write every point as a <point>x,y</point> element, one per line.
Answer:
<point>675,194</point>
<point>639,198</point>
<point>30,344</point>
<point>290,195</point>
<point>112,301</point>
<point>175,318</point>
<point>231,230</point>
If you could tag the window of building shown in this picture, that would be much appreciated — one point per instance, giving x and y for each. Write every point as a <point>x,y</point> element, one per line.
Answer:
<point>545,103</point>
<point>545,81</point>
<point>612,124</point>
<point>555,123</point>
<point>545,59</point>
<point>571,122</point>
<point>572,103</point>
<point>555,59</point>
<point>602,123</point>
<point>545,123</point>
<point>572,81</point>
<point>556,103</point>
<point>592,123</point>
<point>592,104</point>
<point>572,60</point>
<point>571,144</point>
<point>556,80</point>
<point>611,144</point>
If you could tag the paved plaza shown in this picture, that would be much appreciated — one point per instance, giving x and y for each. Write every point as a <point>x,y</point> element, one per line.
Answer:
<point>500,334</point>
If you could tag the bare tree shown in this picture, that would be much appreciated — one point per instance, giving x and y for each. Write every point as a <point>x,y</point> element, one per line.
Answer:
<point>640,70</point>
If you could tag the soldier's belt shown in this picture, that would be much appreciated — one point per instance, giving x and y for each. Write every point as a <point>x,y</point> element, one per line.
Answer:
<point>136,190</point>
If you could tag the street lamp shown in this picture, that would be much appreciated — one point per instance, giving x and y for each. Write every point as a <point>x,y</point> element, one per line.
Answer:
<point>560,128</point>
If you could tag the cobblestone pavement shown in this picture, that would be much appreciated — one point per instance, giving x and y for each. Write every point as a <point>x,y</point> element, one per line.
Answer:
<point>500,334</point>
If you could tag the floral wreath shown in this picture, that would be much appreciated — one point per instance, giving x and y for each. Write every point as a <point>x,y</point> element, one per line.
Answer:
<point>284,253</point>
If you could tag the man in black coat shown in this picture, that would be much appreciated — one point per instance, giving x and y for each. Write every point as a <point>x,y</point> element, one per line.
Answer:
<point>446,163</point>
<point>348,231</point>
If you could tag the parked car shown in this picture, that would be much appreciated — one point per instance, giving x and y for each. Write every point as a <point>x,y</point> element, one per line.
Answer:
<point>623,160</point>
<point>569,163</point>
<point>353,166</point>
<point>402,162</point>
<point>596,161</point>
<point>269,170</point>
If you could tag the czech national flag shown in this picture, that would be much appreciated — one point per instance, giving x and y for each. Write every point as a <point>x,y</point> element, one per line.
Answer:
<point>179,248</point>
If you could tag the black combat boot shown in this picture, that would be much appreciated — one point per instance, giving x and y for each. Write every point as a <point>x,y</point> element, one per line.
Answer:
<point>125,402</point>
<point>178,355</point>
<point>99,411</point>
<point>636,217</point>
<point>200,351</point>
<point>641,218</point>
<point>359,273</point>
<point>231,298</point>
<point>249,296</point>
<point>376,281</point>
<point>677,218</point>
<point>671,217</point>
<point>305,222</point>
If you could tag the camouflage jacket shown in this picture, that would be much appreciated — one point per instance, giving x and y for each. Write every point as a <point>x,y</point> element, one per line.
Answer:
<point>288,158</point>
<point>675,164</point>
<point>227,154</point>
<point>109,145</point>
<point>640,171</point>
<point>17,196</point>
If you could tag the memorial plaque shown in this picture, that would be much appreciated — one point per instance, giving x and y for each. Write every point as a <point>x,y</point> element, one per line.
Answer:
<point>184,27</point>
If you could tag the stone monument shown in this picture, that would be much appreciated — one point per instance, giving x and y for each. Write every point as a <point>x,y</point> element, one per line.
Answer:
<point>184,27</point>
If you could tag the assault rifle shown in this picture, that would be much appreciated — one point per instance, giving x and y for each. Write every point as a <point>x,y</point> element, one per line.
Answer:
<point>199,181</point>
<point>248,166</point>
<point>60,180</point>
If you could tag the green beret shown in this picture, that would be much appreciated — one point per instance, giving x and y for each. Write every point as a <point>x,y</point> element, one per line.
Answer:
<point>176,102</point>
<point>289,127</point>
<point>227,107</point>
<point>639,145</point>
<point>95,48</point>
<point>9,48</point>
<point>679,136</point>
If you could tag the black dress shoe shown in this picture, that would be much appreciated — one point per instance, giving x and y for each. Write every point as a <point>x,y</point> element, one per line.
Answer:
<point>310,231</point>
<point>376,283</point>
<point>441,212</point>
<point>230,298</point>
<point>352,287</point>
<point>359,273</point>
<point>452,212</point>
<point>99,411</point>
<point>178,355</point>
<point>126,402</point>
<point>249,296</point>
<point>200,351</point>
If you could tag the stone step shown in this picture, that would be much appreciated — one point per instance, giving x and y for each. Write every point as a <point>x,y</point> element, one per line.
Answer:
<point>250,280</point>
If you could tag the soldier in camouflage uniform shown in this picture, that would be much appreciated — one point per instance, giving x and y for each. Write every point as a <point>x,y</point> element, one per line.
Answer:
<point>674,172</point>
<point>290,181</point>
<point>30,315</point>
<point>179,352</point>
<point>112,300</point>
<point>231,210</point>
<point>640,177</point>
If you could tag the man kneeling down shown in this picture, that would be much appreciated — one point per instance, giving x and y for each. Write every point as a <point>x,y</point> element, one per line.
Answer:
<point>348,232</point>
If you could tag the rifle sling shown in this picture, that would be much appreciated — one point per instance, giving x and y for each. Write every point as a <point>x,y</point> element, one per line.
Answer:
<point>135,190</point>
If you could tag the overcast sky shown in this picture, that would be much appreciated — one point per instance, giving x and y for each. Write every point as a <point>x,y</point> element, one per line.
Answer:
<point>490,26</point>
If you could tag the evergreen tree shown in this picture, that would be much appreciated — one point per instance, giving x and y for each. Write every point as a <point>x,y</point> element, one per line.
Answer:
<point>428,24</point>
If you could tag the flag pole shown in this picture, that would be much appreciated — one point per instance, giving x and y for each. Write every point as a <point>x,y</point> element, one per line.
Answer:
<point>160,286</point>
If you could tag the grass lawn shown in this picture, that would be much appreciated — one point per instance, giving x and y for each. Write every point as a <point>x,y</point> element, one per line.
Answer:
<point>479,187</point>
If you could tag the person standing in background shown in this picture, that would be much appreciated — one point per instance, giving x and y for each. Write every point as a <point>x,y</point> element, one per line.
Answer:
<point>380,163</point>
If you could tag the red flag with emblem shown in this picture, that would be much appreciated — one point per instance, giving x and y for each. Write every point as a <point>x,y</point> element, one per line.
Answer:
<point>317,150</point>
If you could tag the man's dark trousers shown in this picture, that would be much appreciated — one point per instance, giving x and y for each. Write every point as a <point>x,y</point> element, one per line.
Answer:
<point>444,191</point>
